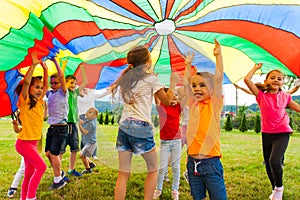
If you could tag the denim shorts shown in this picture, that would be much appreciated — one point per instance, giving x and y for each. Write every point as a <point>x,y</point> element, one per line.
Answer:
<point>206,175</point>
<point>55,138</point>
<point>72,139</point>
<point>135,136</point>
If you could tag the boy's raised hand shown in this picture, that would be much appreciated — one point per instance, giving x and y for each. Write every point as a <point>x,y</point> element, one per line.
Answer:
<point>188,59</point>
<point>217,49</point>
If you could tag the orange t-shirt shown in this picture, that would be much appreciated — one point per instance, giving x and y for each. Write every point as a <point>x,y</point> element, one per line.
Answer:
<point>203,130</point>
<point>32,120</point>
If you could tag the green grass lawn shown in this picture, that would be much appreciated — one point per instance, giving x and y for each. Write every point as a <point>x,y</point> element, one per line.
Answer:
<point>245,175</point>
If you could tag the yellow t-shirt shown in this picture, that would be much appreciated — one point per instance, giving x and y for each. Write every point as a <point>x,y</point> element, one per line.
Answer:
<point>32,120</point>
<point>203,130</point>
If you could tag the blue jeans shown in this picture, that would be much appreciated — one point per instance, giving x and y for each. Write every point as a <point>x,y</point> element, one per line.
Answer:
<point>135,136</point>
<point>169,148</point>
<point>206,174</point>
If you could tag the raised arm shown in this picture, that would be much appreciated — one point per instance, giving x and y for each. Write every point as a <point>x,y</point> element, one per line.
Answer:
<point>84,78</point>
<point>188,59</point>
<point>219,74</point>
<point>243,89</point>
<point>248,78</point>
<point>45,78</point>
<point>61,76</point>
<point>295,88</point>
<point>29,73</point>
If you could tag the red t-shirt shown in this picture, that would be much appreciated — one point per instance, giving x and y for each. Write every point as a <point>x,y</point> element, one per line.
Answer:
<point>169,117</point>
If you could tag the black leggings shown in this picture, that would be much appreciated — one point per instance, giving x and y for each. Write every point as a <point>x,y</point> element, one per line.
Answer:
<point>274,146</point>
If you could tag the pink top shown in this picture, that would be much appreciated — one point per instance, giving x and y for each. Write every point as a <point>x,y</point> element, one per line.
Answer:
<point>274,118</point>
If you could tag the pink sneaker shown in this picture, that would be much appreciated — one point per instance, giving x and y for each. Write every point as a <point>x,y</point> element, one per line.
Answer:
<point>271,195</point>
<point>157,194</point>
<point>175,194</point>
<point>278,192</point>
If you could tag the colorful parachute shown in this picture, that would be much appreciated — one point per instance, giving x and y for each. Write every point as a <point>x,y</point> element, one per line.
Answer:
<point>100,33</point>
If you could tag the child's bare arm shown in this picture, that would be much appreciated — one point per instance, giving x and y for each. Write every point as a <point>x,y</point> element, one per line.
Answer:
<point>84,78</point>
<point>249,76</point>
<point>45,78</point>
<point>83,130</point>
<point>219,74</point>
<point>16,127</point>
<point>188,59</point>
<point>60,72</point>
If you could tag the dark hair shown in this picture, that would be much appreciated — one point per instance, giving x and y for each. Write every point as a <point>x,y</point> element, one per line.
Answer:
<point>264,86</point>
<point>137,58</point>
<point>18,90</point>
<point>70,77</point>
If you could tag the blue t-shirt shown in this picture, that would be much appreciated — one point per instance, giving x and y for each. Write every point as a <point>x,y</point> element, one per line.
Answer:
<point>90,125</point>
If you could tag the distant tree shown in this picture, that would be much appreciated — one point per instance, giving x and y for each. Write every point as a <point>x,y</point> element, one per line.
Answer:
<point>106,118</point>
<point>112,121</point>
<point>228,124</point>
<point>257,125</point>
<point>101,118</point>
<point>155,122</point>
<point>243,126</point>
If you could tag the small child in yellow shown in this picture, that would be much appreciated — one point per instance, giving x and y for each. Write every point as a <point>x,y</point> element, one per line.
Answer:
<point>205,100</point>
<point>88,130</point>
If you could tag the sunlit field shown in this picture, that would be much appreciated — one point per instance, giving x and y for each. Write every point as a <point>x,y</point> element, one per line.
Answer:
<point>245,175</point>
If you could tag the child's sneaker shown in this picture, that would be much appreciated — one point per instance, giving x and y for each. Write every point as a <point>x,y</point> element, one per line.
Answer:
<point>157,194</point>
<point>278,192</point>
<point>66,179</point>
<point>167,177</point>
<point>185,176</point>
<point>74,173</point>
<point>86,171</point>
<point>95,157</point>
<point>92,165</point>
<point>57,186</point>
<point>175,194</point>
<point>11,192</point>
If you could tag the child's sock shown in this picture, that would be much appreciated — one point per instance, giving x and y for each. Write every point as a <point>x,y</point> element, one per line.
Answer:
<point>57,179</point>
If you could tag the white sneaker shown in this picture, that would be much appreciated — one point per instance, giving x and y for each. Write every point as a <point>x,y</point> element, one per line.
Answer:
<point>278,192</point>
<point>95,157</point>
<point>157,194</point>
<point>175,194</point>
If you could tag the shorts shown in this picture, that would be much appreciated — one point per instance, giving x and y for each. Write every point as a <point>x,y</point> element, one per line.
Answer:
<point>135,136</point>
<point>88,149</point>
<point>55,138</point>
<point>72,139</point>
<point>206,175</point>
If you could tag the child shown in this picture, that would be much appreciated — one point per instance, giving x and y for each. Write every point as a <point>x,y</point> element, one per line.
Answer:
<point>85,101</point>
<point>72,138</point>
<point>18,176</point>
<point>205,170</point>
<point>275,123</point>
<point>137,85</point>
<point>31,106</point>
<point>170,144</point>
<point>58,129</point>
<point>88,129</point>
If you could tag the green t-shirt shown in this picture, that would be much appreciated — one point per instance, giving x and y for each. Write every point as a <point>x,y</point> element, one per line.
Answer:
<point>72,100</point>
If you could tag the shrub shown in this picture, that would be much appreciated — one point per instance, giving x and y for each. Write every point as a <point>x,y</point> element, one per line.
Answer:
<point>257,126</point>
<point>243,126</point>
<point>228,124</point>
<point>100,118</point>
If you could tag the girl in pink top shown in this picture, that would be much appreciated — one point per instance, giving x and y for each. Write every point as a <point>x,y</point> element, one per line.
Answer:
<point>31,106</point>
<point>275,123</point>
